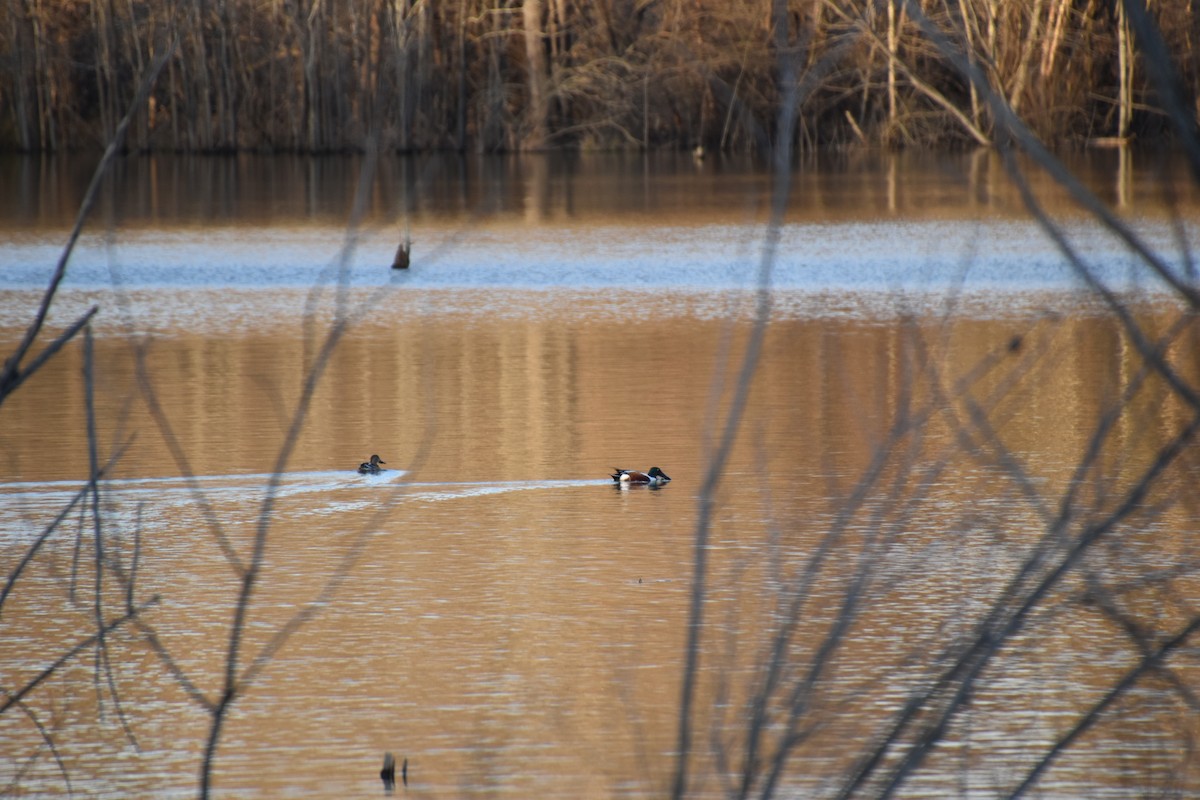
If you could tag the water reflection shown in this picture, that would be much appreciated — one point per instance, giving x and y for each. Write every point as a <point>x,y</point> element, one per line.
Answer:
<point>159,190</point>
<point>508,622</point>
<point>495,612</point>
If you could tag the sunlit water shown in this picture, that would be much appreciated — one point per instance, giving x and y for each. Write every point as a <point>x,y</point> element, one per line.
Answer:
<point>492,608</point>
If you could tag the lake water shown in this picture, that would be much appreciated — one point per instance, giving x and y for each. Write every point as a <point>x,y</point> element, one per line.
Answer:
<point>492,608</point>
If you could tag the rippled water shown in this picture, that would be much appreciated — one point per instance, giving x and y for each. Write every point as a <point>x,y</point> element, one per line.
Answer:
<point>491,608</point>
<point>936,256</point>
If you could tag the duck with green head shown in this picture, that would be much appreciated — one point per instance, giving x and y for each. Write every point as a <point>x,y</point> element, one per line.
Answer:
<point>626,477</point>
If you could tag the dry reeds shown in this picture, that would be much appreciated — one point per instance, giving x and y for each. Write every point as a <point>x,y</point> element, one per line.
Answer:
<point>486,75</point>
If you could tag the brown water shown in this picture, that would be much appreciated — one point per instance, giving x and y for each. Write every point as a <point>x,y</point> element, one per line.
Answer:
<point>150,191</point>
<point>493,610</point>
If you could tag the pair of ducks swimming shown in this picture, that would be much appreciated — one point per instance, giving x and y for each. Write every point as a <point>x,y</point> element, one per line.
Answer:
<point>655,477</point>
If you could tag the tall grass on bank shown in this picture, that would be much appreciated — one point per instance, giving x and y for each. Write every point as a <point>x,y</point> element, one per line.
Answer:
<point>491,75</point>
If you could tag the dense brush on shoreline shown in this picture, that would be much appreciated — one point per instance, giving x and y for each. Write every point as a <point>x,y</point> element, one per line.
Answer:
<point>492,75</point>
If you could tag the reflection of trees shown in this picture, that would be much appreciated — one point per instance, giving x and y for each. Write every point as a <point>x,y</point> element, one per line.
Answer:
<point>487,75</point>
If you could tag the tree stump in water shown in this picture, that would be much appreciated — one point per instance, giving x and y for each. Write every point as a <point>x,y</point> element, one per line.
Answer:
<point>401,259</point>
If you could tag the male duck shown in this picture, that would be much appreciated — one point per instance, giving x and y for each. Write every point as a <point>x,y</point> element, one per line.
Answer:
<point>371,467</point>
<point>655,477</point>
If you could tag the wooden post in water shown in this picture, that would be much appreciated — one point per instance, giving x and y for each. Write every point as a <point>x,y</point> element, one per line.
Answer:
<point>401,260</point>
<point>388,773</point>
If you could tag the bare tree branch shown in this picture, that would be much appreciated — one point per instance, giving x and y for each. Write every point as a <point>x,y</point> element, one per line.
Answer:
<point>11,375</point>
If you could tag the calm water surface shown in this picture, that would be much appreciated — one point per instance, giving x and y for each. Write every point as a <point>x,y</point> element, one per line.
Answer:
<point>491,608</point>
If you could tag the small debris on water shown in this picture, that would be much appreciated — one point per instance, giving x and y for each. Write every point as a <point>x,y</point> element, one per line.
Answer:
<point>388,773</point>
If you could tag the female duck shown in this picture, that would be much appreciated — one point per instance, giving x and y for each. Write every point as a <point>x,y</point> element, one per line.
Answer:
<point>371,467</point>
<point>655,477</point>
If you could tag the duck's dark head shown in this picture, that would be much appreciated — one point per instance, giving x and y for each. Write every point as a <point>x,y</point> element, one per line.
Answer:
<point>655,472</point>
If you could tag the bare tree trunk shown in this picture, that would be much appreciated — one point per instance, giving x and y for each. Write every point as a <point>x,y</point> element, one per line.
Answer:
<point>891,65</point>
<point>968,23</point>
<point>402,71</point>
<point>103,65</point>
<point>227,102</point>
<point>493,127</point>
<point>173,96</point>
<point>43,80</point>
<point>133,57</point>
<point>22,104</point>
<point>423,78</point>
<point>202,76</point>
<point>1057,24</point>
<point>1124,73</point>
<point>1022,76</point>
<point>185,98</point>
<point>993,8</point>
<point>460,123</point>
<point>535,58</point>
<point>312,90</point>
